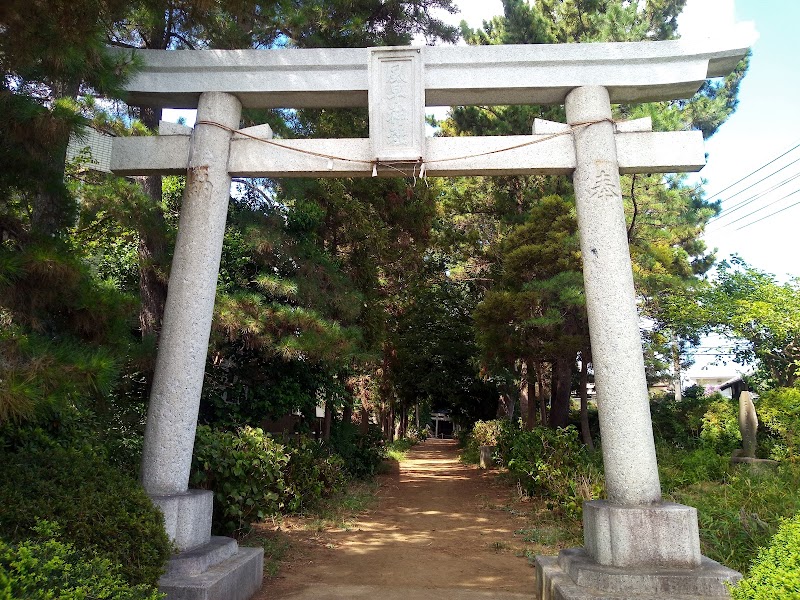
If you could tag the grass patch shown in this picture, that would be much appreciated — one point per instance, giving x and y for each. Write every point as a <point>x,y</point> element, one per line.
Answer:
<point>340,511</point>
<point>398,449</point>
<point>740,514</point>
<point>276,546</point>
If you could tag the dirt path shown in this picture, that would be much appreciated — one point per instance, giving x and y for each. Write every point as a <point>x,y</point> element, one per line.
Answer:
<point>438,531</point>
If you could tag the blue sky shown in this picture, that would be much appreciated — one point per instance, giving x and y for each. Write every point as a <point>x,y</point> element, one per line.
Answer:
<point>766,124</point>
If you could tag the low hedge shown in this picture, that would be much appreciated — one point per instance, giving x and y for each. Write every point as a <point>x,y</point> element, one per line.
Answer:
<point>775,573</point>
<point>47,568</point>
<point>100,509</point>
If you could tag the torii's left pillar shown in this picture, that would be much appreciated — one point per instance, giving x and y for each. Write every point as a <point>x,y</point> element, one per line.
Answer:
<point>206,566</point>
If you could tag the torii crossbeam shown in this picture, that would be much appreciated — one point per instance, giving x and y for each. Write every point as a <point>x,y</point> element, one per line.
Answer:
<point>633,530</point>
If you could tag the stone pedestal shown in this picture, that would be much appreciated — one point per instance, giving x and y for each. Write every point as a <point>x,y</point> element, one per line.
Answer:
<point>661,535</point>
<point>187,517</point>
<point>573,575</point>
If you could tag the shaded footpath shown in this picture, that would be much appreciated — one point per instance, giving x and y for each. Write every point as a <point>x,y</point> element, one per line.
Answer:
<point>433,533</point>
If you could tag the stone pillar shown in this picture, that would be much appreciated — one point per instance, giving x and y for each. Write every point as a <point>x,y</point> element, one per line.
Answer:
<point>633,528</point>
<point>183,345</point>
<point>748,424</point>
<point>629,455</point>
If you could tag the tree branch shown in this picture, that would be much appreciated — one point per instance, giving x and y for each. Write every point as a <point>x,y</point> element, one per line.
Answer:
<point>635,207</point>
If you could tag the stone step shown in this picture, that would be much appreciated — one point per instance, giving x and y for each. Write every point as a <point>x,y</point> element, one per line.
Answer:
<point>194,562</point>
<point>237,577</point>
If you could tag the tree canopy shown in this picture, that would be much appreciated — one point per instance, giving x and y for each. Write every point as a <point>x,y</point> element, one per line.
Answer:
<point>375,294</point>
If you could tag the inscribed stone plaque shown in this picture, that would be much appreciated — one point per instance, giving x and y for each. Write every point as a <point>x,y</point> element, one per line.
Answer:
<point>396,104</point>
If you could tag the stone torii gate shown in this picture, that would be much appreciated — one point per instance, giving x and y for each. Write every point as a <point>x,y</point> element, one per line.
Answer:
<point>636,545</point>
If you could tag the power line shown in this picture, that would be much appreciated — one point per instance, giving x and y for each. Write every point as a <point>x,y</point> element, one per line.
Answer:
<point>756,171</point>
<point>771,214</point>
<point>755,197</point>
<point>735,206</point>
<point>792,193</point>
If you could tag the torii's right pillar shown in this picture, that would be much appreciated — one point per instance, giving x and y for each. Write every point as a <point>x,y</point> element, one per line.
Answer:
<point>635,545</point>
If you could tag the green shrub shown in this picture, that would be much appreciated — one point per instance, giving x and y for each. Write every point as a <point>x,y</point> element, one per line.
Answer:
<point>738,516</point>
<point>552,463</point>
<point>312,474</point>
<point>721,425</point>
<point>775,573</point>
<point>678,467</point>
<point>487,433</point>
<point>470,452</point>
<point>680,422</point>
<point>362,452</point>
<point>246,469</point>
<point>100,509</point>
<point>49,569</point>
<point>779,411</point>
<point>416,435</point>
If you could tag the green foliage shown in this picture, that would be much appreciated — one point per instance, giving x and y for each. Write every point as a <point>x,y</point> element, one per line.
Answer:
<point>552,463</point>
<point>397,449</point>
<point>679,467</point>
<point>247,388</point>
<point>255,477</point>
<point>779,412</point>
<point>720,429</point>
<point>312,474</point>
<point>738,515</point>
<point>436,353</point>
<point>763,318</point>
<point>775,573</point>
<point>47,568</point>
<point>362,452</point>
<point>246,469</point>
<point>101,509</point>
<point>679,423</point>
<point>487,433</point>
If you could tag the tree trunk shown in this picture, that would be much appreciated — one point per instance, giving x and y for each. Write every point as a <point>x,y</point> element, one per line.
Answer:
<point>364,425</point>
<point>533,403</point>
<point>53,206</point>
<point>542,397</point>
<point>562,385</point>
<point>676,368</point>
<point>326,423</point>
<point>524,395</point>
<point>505,406</point>
<point>586,434</point>
<point>152,248</point>
<point>347,413</point>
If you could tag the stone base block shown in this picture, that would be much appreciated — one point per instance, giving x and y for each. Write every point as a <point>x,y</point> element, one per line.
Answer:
<point>573,575</point>
<point>664,535</point>
<point>187,517</point>
<point>220,570</point>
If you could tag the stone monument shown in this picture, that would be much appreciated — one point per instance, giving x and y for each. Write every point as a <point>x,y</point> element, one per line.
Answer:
<point>636,546</point>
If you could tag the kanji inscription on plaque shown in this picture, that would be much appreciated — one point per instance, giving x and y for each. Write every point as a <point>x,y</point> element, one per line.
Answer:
<point>396,104</point>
